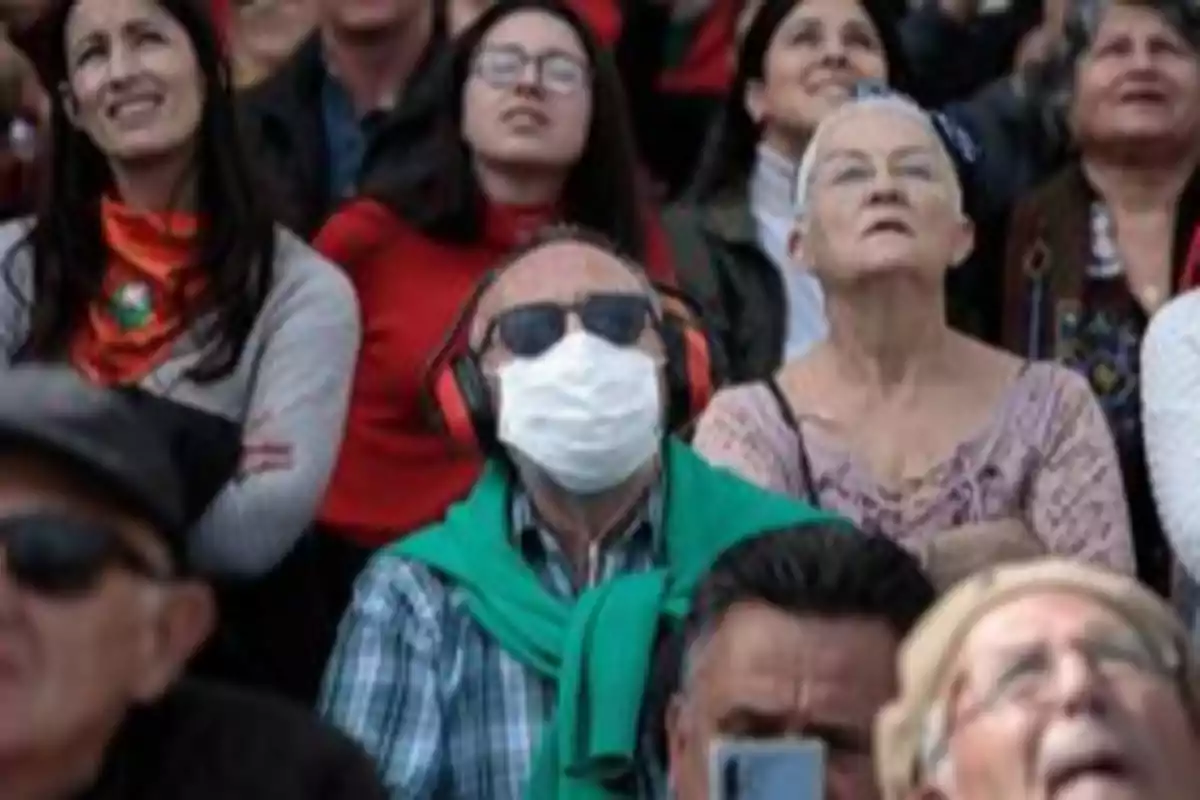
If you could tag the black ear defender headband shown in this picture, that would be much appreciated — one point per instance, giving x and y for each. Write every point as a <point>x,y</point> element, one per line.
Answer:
<point>459,403</point>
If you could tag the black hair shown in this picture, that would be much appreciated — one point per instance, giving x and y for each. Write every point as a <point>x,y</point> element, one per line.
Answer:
<point>824,569</point>
<point>420,167</point>
<point>235,243</point>
<point>730,153</point>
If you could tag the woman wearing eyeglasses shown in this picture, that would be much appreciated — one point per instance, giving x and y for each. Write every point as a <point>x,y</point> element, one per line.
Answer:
<point>527,127</point>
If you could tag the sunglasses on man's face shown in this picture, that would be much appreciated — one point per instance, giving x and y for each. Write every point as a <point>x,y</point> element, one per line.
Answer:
<point>530,330</point>
<point>62,557</point>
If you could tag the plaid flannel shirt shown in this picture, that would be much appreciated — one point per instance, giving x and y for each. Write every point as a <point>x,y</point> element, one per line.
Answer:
<point>443,709</point>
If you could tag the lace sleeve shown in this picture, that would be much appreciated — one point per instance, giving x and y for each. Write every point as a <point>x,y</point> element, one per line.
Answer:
<point>743,431</point>
<point>1077,502</point>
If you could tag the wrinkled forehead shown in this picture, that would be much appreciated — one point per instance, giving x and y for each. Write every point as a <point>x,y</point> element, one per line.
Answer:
<point>1049,618</point>
<point>872,130</point>
<point>877,130</point>
<point>559,272</point>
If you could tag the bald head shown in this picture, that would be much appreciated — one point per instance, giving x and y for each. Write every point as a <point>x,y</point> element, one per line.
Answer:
<point>559,271</point>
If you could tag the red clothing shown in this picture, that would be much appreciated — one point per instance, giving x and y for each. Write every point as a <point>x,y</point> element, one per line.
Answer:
<point>706,66</point>
<point>395,473</point>
<point>702,63</point>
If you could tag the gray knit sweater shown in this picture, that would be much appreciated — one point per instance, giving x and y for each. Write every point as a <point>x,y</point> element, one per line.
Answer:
<point>294,375</point>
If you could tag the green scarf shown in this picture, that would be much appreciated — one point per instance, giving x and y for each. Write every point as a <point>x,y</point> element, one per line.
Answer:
<point>597,648</point>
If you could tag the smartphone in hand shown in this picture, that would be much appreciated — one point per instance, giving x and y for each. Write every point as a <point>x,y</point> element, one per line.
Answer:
<point>777,769</point>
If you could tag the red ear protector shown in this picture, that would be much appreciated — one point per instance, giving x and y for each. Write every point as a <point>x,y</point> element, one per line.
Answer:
<point>692,374</point>
<point>459,401</point>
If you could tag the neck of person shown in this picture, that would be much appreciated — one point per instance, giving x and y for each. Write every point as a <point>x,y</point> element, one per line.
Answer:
<point>157,184</point>
<point>583,523</point>
<point>787,143</point>
<point>887,333</point>
<point>374,70</point>
<point>511,185</point>
<point>1137,181</point>
<point>57,775</point>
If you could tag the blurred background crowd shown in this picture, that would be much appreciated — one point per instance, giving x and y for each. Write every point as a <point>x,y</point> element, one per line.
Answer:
<point>531,398</point>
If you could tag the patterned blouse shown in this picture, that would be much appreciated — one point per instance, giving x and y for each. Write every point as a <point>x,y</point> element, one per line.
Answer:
<point>1045,457</point>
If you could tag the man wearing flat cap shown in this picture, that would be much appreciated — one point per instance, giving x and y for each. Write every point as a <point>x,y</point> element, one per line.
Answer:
<point>98,619</point>
<point>1043,680</point>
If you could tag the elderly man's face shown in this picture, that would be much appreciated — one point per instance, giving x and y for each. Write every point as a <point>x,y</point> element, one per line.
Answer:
<point>1060,698</point>
<point>534,290</point>
<point>72,663</point>
<point>883,200</point>
<point>766,674</point>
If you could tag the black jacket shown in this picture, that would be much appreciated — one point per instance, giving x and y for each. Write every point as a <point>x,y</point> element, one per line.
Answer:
<point>285,134</point>
<point>284,129</point>
<point>202,742</point>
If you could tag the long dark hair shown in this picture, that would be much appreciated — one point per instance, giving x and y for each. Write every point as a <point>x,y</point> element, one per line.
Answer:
<point>235,246</point>
<point>421,168</point>
<point>731,151</point>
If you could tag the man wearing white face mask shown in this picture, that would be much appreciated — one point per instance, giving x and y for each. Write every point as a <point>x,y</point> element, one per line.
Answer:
<point>503,652</point>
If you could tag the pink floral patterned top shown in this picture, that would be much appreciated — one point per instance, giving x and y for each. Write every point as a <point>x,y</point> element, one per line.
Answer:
<point>1046,457</point>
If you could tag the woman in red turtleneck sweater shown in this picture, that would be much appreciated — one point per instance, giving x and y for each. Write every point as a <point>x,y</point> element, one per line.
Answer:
<point>526,126</point>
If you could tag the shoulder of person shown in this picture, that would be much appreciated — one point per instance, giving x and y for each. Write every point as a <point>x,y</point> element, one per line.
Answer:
<point>396,587</point>
<point>1066,394</point>
<point>239,742</point>
<point>756,394</point>
<point>306,281</point>
<point>1046,198</point>
<point>750,411</point>
<point>362,229</point>
<point>1176,322</point>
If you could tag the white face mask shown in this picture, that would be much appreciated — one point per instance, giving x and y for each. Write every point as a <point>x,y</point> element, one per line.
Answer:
<point>586,411</point>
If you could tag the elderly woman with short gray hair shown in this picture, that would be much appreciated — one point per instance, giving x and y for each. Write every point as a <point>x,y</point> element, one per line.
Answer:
<point>1097,249</point>
<point>897,421</point>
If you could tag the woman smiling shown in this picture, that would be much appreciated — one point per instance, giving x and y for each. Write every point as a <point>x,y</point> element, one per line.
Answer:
<point>151,266</point>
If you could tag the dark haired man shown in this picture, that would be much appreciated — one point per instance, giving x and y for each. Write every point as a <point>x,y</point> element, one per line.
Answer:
<point>794,635</point>
<point>98,619</point>
<point>310,122</point>
<point>508,645</point>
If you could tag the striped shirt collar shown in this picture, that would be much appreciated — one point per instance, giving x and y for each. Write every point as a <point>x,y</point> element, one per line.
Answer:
<point>641,530</point>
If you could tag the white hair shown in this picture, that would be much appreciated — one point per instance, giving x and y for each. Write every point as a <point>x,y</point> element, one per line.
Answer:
<point>893,103</point>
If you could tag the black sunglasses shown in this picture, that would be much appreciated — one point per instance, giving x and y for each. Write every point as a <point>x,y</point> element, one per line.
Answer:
<point>64,557</point>
<point>530,330</point>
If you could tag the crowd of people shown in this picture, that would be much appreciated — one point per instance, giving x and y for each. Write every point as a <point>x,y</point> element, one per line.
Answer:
<point>531,399</point>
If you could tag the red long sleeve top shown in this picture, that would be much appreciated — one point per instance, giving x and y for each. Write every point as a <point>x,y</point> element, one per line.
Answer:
<point>396,472</point>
